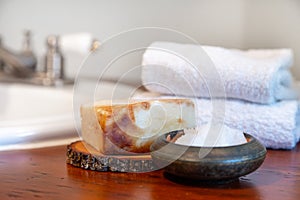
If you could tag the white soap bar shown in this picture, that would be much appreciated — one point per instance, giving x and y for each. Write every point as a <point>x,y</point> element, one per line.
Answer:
<point>122,127</point>
<point>211,136</point>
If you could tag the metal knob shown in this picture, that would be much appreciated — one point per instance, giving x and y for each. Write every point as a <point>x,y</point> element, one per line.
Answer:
<point>27,49</point>
<point>54,59</point>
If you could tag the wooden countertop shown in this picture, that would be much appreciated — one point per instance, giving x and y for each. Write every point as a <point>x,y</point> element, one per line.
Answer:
<point>44,174</point>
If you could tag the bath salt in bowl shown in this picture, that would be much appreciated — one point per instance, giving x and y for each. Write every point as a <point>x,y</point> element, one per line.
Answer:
<point>208,164</point>
<point>208,136</point>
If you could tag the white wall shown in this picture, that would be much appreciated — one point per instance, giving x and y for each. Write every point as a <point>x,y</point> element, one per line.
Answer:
<point>230,23</point>
<point>210,21</point>
<point>273,24</point>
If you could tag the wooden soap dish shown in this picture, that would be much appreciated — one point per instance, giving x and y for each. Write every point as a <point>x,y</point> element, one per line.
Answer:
<point>80,154</point>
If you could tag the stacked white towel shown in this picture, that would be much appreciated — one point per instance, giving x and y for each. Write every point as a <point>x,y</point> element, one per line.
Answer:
<point>260,76</point>
<point>277,125</point>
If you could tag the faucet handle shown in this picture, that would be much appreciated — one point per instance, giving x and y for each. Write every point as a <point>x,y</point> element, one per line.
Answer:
<point>27,42</point>
<point>53,42</point>
<point>54,59</point>
<point>27,48</point>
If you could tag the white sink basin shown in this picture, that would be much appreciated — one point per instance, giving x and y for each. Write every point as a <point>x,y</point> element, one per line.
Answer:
<point>37,116</point>
<point>31,115</point>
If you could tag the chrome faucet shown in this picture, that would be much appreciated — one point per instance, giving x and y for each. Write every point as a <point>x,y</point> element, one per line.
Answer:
<point>21,67</point>
<point>21,64</point>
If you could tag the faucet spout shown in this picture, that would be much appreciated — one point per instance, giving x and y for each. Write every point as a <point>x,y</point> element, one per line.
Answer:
<point>19,65</point>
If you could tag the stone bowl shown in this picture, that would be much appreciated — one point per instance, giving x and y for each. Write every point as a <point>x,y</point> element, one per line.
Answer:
<point>207,164</point>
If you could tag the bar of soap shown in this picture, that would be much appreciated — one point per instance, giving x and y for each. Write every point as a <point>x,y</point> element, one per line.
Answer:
<point>122,127</point>
<point>211,136</point>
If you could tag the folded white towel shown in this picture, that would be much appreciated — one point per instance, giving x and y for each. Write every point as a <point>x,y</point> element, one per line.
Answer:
<point>260,76</point>
<point>277,126</point>
<point>274,125</point>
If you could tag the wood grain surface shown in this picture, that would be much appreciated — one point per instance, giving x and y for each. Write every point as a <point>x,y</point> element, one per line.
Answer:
<point>44,174</point>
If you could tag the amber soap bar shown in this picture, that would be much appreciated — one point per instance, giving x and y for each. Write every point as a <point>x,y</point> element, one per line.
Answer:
<point>122,127</point>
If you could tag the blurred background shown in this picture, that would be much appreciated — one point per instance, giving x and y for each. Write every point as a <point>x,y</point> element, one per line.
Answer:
<point>49,112</point>
<point>233,23</point>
